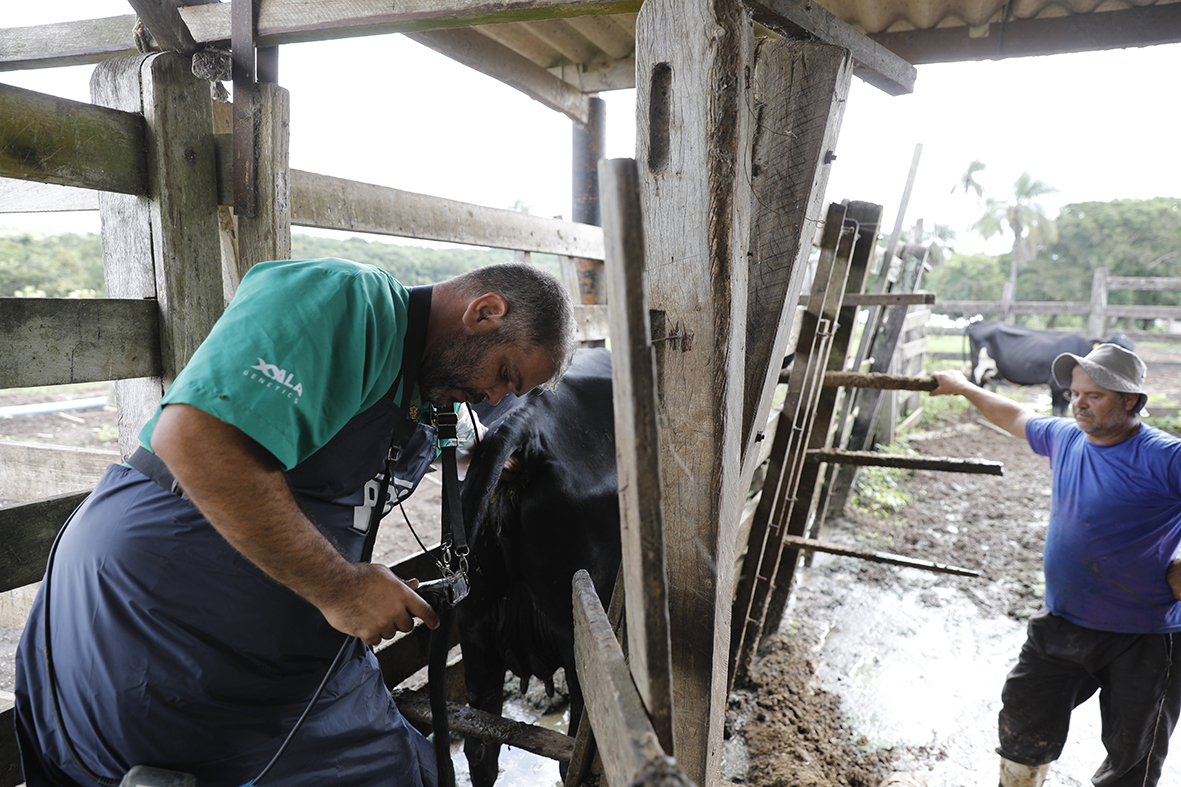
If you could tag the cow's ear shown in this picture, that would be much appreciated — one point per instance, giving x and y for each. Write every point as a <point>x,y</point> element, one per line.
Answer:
<point>485,313</point>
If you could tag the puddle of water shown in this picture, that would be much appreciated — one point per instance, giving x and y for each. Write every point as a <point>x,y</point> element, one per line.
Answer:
<point>921,667</point>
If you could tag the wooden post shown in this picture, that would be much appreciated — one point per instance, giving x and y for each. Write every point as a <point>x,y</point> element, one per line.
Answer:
<point>693,152</point>
<point>637,446</point>
<point>266,235</point>
<point>164,246</point>
<point>589,143</point>
<point>1097,322</point>
<point>1007,296</point>
<point>798,92</point>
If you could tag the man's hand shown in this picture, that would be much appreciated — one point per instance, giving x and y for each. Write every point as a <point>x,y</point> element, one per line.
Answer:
<point>1173,577</point>
<point>377,605</point>
<point>950,383</point>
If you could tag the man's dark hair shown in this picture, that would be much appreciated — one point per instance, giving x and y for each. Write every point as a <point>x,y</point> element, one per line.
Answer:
<point>540,313</point>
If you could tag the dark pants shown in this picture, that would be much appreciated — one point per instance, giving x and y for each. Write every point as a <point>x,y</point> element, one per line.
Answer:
<point>1138,677</point>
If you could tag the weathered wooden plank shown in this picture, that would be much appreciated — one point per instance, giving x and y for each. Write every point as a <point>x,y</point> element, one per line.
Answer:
<point>878,459</point>
<point>465,720</point>
<point>573,45</point>
<point>885,299</point>
<point>620,76</point>
<point>128,266</point>
<point>485,55</point>
<point>1115,29</point>
<point>52,341</point>
<point>162,19</point>
<point>517,37</point>
<point>284,22</point>
<point>66,43</point>
<point>267,234</point>
<point>335,203</point>
<point>876,64</point>
<point>593,322</point>
<point>27,531</point>
<point>29,471</point>
<point>1156,283</point>
<point>55,140</point>
<point>26,196</point>
<point>606,34</point>
<point>693,149</point>
<point>627,743</point>
<point>834,379</point>
<point>799,92</point>
<point>813,545</point>
<point>637,445</point>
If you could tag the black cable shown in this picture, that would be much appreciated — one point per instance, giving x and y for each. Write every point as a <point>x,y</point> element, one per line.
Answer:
<point>319,690</point>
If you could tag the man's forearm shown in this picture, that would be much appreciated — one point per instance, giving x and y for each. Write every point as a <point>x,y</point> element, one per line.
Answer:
<point>1003,412</point>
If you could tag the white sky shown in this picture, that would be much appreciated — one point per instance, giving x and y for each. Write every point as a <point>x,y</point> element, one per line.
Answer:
<point>1096,126</point>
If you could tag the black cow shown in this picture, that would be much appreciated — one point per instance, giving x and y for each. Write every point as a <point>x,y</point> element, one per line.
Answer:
<point>540,502</point>
<point>1022,356</point>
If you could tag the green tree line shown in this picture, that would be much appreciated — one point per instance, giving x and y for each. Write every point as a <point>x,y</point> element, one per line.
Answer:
<point>71,265</point>
<point>1129,237</point>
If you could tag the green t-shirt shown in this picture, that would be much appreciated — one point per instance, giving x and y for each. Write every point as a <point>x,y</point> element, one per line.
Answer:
<point>304,346</point>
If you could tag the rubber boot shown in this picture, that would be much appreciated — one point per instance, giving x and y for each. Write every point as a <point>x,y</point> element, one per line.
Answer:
<point>1014,774</point>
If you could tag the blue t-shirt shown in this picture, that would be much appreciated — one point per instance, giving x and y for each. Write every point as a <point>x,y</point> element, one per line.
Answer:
<point>1115,524</point>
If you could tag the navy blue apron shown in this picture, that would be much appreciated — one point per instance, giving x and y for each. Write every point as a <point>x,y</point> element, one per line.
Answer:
<point>171,649</point>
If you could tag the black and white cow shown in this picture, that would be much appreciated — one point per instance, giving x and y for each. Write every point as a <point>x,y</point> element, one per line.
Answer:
<point>540,502</point>
<point>1022,356</point>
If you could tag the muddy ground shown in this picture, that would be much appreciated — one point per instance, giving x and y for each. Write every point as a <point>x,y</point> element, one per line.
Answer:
<point>876,668</point>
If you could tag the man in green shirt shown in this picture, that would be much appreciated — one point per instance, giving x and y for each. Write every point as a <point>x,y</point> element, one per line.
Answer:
<point>200,595</point>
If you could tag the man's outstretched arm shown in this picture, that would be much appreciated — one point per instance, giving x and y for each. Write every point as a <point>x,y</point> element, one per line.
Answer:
<point>1003,412</point>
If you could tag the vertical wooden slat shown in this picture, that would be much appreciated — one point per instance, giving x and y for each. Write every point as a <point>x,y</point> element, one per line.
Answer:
<point>693,146</point>
<point>637,445</point>
<point>166,245</point>
<point>798,92</point>
<point>267,234</point>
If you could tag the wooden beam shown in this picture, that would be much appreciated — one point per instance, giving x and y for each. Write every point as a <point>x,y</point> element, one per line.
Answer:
<point>626,741</point>
<point>67,43</point>
<point>465,720</point>
<point>267,234</point>
<point>620,76</point>
<point>887,299</point>
<point>604,33</point>
<point>335,203</point>
<point>284,22</point>
<point>481,53</point>
<point>162,19</point>
<point>879,459</point>
<point>878,380</point>
<point>52,341</point>
<point>694,139</point>
<point>26,196</point>
<point>799,92</point>
<point>55,140</point>
<point>1087,32</point>
<point>27,531</point>
<point>637,445</point>
<point>812,545</point>
<point>874,63</point>
<point>29,471</point>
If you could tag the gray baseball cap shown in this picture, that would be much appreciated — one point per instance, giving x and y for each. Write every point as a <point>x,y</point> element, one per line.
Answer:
<point>1109,365</point>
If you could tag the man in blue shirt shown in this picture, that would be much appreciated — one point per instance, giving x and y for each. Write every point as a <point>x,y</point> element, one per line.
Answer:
<point>1111,612</point>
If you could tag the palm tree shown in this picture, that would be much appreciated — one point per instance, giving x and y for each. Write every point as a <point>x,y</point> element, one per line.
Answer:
<point>968,182</point>
<point>1031,227</point>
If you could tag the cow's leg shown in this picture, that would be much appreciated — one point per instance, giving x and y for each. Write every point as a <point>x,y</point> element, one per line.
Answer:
<point>484,676</point>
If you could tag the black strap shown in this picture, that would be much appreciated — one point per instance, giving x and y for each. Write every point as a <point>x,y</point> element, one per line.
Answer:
<point>417,316</point>
<point>452,512</point>
<point>154,468</point>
